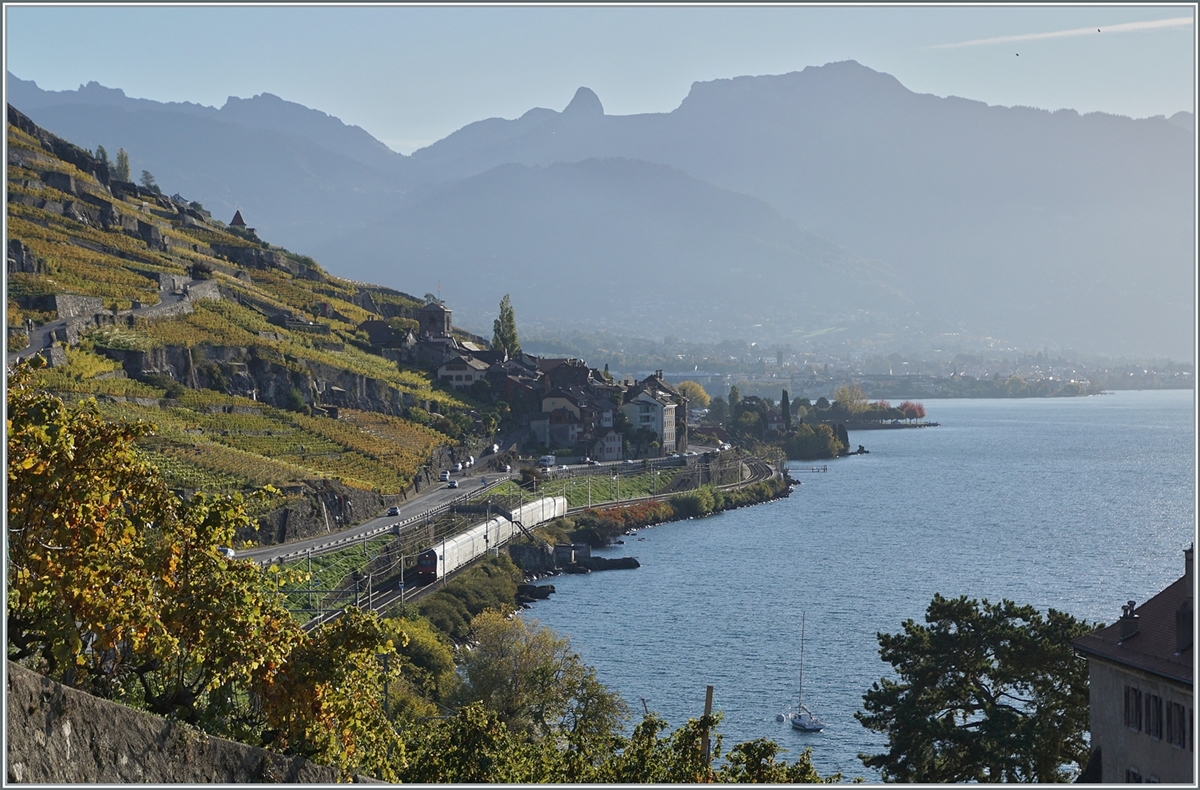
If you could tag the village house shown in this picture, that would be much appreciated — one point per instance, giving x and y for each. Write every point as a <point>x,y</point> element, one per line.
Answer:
<point>462,371</point>
<point>574,418</point>
<point>654,405</point>
<point>1140,690</point>
<point>608,446</point>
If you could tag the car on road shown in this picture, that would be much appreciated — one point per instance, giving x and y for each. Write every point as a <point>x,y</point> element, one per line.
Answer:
<point>483,481</point>
<point>445,475</point>
<point>563,467</point>
<point>452,484</point>
<point>393,511</point>
<point>591,462</point>
<point>226,552</point>
<point>508,468</point>
<point>458,467</point>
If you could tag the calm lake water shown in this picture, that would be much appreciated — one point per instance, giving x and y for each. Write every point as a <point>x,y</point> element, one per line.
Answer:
<point>1075,504</point>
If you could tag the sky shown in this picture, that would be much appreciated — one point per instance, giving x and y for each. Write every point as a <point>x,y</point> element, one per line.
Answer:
<point>412,74</point>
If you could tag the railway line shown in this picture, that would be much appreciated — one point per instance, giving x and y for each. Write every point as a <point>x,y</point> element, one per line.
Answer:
<point>381,588</point>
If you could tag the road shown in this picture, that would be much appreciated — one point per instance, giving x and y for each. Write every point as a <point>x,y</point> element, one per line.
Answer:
<point>42,336</point>
<point>438,496</point>
<point>433,498</point>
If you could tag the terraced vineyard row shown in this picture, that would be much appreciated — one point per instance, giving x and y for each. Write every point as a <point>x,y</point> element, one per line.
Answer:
<point>264,445</point>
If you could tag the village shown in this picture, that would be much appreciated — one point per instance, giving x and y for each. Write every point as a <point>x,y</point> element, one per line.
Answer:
<point>578,411</point>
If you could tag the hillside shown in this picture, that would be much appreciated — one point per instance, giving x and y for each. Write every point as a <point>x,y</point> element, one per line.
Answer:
<point>240,352</point>
<point>1033,227</point>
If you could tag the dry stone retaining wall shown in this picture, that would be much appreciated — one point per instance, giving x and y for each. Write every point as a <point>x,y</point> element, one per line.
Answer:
<point>58,735</point>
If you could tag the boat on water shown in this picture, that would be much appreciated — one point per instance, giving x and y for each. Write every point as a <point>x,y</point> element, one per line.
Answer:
<point>802,718</point>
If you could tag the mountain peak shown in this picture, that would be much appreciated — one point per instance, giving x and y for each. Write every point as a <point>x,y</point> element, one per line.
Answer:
<point>94,89</point>
<point>585,104</point>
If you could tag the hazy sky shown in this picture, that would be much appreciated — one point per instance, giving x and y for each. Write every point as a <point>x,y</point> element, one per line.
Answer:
<point>412,74</point>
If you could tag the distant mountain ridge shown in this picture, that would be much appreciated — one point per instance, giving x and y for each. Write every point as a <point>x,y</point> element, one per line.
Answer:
<point>1035,226</point>
<point>573,236</point>
<point>264,111</point>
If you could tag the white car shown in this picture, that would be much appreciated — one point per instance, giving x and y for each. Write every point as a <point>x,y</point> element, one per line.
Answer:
<point>452,484</point>
<point>393,511</point>
<point>458,467</point>
<point>444,476</point>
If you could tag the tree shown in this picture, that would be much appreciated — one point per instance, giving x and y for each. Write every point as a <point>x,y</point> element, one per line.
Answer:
<point>326,701</point>
<point>695,394</point>
<point>147,181</point>
<point>785,407</point>
<point>986,693</point>
<point>122,171</point>
<point>753,762</point>
<point>102,155</point>
<point>850,397</point>
<point>504,329</point>
<point>534,682</point>
<point>117,586</point>
<point>717,410</point>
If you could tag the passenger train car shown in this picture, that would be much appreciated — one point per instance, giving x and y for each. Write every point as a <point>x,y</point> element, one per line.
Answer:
<point>452,553</point>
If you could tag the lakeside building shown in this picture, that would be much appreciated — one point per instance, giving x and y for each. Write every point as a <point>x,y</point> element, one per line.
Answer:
<point>1140,699</point>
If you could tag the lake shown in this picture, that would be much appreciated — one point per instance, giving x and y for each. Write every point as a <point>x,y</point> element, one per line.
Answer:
<point>1077,504</point>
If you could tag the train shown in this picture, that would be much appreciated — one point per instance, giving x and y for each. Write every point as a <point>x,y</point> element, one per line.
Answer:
<point>451,554</point>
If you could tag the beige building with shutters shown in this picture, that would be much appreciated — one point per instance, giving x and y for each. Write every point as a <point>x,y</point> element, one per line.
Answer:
<point>1140,698</point>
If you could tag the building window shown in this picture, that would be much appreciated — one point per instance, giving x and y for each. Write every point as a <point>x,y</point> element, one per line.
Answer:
<point>1133,708</point>
<point>1132,776</point>
<point>1177,725</point>
<point>1154,716</point>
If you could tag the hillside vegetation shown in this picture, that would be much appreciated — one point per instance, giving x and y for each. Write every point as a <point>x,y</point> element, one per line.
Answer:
<point>270,383</point>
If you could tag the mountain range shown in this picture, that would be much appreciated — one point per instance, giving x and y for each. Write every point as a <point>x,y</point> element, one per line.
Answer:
<point>832,197</point>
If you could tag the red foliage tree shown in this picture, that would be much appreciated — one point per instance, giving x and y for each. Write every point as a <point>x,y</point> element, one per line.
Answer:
<point>912,411</point>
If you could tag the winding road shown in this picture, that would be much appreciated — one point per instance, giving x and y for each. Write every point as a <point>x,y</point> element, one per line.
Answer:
<point>43,336</point>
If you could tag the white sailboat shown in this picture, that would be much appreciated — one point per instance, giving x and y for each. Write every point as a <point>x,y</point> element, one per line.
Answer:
<point>802,718</point>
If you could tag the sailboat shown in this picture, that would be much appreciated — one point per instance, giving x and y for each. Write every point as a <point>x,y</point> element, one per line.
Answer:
<point>802,718</point>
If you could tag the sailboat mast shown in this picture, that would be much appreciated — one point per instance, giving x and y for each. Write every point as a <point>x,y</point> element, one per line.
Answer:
<point>800,694</point>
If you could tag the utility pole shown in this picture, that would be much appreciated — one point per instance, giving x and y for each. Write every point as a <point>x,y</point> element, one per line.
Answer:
<point>707,712</point>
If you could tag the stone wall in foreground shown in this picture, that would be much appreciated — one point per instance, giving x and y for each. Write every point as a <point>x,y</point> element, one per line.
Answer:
<point>57,735</point>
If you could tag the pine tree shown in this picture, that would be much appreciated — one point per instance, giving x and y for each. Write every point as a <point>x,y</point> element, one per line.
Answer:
<point>505,329</point>
<point>122,171</point>
<point>786,408</point>
<point>102,155</point>
<point>148,181</point>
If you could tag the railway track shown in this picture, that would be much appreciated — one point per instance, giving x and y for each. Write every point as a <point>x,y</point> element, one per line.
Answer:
<point>389,591</point>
